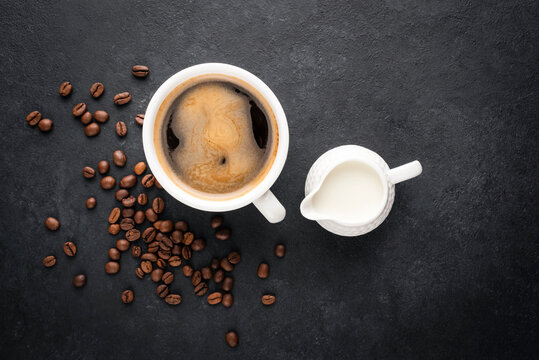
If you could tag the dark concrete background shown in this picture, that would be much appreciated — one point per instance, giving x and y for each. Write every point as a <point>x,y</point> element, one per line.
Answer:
<point>452,273</point>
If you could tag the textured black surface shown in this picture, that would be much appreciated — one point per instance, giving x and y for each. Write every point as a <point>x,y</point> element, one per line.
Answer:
<point>453,272</point>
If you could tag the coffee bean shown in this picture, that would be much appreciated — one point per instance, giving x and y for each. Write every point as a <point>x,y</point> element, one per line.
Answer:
<point>49,261</point>
<point>164,254</point>
<point>162,291</point>
<point>114,229</point>
<point>218,276</point>
<point>103,167</point>
<point>128,296</point>
<point>139,119</point>
<point>176,236</point>
<point>114,254</point>
<point>214,263</point>
<point>156,275</point>
<point>121,194</point>
<point>139,217</point>
<point>216,221</point>
<point>198,245</point>
<point>153,247</point>
<point>165,243</point>
<point>228,300</point>
<point>166,226</point>
<point>114,215</point>
<point>79,109</point>
<point>79,280</point>
<point>128,181</point>
<point>263,270</point>
<point>173,299</point>
<point>196,278</point>
<point>140,274</point>
<point>201,289</point>
<point>122,244</point>
<point>121,128</point>
<point>226,265</point>
<point>188,238</point>
<point>181,225</point>
<point>122,98</point>
<point>167,277</point>
<point>142,199</point>
<point>280,250</point>
<point>128,212</point>
<point>101,116</point>
<point>187,270</point>
<point>45,125</point>
<point>146,266</point>
<point>157,225</point>
<point>149,256</point>
<point>174,261</point>
<point>88,172</point>
<point>206,273</point>
<point>86,118</point>
<point>228,283</point>
<point>215,298</point>
<point>158,205</point>
<point>148,181</point>
<point>132,235</point>
<point>119,159</point>
<point>92,129</point>
<point>140,71</point>
<point>112,267</point>
<point>108,182</point>
<point>186,252</point>
<point>157,185</point>
<point>65,88</point>
<point>129,201</point>
<point>223,234</point>
<point>70,249</point>
<point>176,250</point>
<point>52,224</point>
<point>91,202</point>
<point>149,234</point>
<point>268,299</point>
<point>140,167</point>
<point>33,118</point>
<point>234,257</point>
<point>127,224</point>
<point>97,89</point>
<point>232,339</point>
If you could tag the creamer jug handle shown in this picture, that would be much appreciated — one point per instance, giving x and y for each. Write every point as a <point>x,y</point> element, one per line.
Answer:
<point>405,172</point>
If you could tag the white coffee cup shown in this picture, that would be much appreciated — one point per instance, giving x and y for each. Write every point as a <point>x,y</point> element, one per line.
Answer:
<point>260,195</point>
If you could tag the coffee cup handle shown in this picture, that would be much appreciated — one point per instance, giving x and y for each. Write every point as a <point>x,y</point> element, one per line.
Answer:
<point>405,172</point>
<point>270,207</point>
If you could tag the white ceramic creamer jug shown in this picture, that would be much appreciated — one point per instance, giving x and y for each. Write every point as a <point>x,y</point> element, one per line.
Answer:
<point>350,190</point>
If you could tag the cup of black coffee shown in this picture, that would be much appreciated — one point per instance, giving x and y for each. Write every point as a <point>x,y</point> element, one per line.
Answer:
<point>216,138</point>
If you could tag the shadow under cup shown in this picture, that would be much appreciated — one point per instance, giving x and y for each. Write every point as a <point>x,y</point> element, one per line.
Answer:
<point>201,140</point>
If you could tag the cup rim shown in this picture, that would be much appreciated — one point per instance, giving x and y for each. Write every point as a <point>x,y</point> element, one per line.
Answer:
<point>151,155</point>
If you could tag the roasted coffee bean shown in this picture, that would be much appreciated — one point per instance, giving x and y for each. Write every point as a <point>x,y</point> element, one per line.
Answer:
<point>79,109</point>
<point>70,249</point>
<point>114,229</point>
<point>149,256</point>
<point>79,280</point>
<point>88,172</point>
<point>164,254</point>
<point>161,264</point>
<point>186,252</point>
<point>122,244</point>
<point>45,125</point>
<point>148,181</point>
<point>127,224</point>
<point>268,299</point>
<point>112,267</point>
<point>49,261</point>
<point>139,217</point>
<point>121,194</point>
<point>140,274</point>
<point>91,202</point>
<point>206,273</point>
<point>153,247</point>
<point>128,212</point>
<point>149,234</point>
<point>52,224</point>
<point>128,181</point>
<point>176,250</point>
<point>167,278</point>
<point>188,238</point>
<point>119,159</point>
<point>263,270</point>
<point>146,266</point>
<point>175,261</point>
<point>201,289</point>
<point>232,339</point>
<point>156,275</point>
<point>128,296</point>
<point>223,234</point>
<point>157,225</point>
<point>187,270</point>
<point>136,251</point>
<point>129,201</point>
<point>218,276</point>
<point>158,205</point>
<point>226,265</point>
<point>142,199</point>
<point>181,225</point>
<point>122,98</point>
<point>228,283</point>
<point>103,167</point>
<point>166,226</point>
<point>196,278</point>
<point>114,215</point>
<point>101,116</point>
<point>157,185</point>
<point>228,300</point>
<point>114,254</point>
<point>215,298</point>
<point>33,118</point>
<point>132,235</point>
<point>140,71</point>
<point>86,118</point>
<point>176,236</point>
<point>280,250</point>
<point>166,243</point>
<point>160,236</point>
<point>234,257</point>
<point>173,299</point>
<point>65,88</point>
<point>97,89</point>
<point>140,168</point>
<point>198,245</point>
<point>162,291</point>
<point>92,129</point>
<point>216,221</point>
<point>121,128</point>
<point>214,263</point>
<point>139,119</point>
<point>108,182</point>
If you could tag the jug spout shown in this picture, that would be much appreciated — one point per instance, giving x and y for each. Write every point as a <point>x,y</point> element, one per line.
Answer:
<point>307,208</point>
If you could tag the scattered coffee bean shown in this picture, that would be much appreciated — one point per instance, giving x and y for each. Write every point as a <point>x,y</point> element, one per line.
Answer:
<point>92,129</point>
<point>79,280</point>
<point>140,274</point>
<point>88,172</point>
<point>146,266</point>
<point>52,224</point>
<point>128,212</point>
<point>101,116</point>
<point>214,263</point>
<point>129,201</point>
<point>198,245</point>
<point>70,249</point>
<point>33,118</point>
<point>91,202</point>
<point>142,199</point>
<point>173,299</point>
<point>114,229</point>
<point>45,125</point>
<point>222,234</point>
<point>156,275</point>
<point>176,250</point>
<point>122,245</point>
<point>157,224</point>
<point>228,283</point>
<point>97,89</point>
<point>263,270</point>
<point>161,264</point>
<point>49,261</point>
<point>108,182</point>
<point>149,256</point>
<point>166,226</point>
<point>112,267</point>
<point>119,159</point>
<point>121,194</point>
<point>149,234</point>
<point>206,273</point>
<point>181,225</point>
<point>114,215</point>
<point>103,167</point>
<point>216,221</point>
<point>86,118</point>
<point>226,265</point>
<point>176,236</point>
<point>186,253</point>
<point>128,296</point>
<point>132,235</point>
<point>167,277</point>
<point>121,128</point>
<point>174,261</point>
<point>196,278</point>
<point>166,244</point>
<point>140,71</point>
<point>122,98</point>
<point>187,270</point>
<point>188,238</point>
<point>65,88</point>
<point>79,109</point>
<point>140,167</point>
<point>268,299</point>
<point>162,291</point>
<point>218,276</point>
<point>139,217</point>
<point>148,181</point>
<point>153,247</point>
<point>280,250</point>
<point>228,300</point>
<point>158,205</point>
<point>232,339</point>
<point>201,289</point>
<point>139,119</point>
<point>164,254</point>
<point>128,181</point>
<point>215,298</point>
<point>234,257</point>
<point>114,254</point>
<point>127,224</point>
